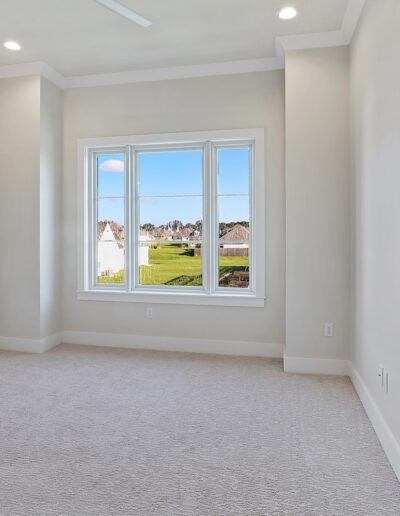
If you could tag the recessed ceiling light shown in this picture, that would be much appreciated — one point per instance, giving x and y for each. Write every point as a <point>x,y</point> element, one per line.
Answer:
<point>12,45</point>
<point>287,13</point>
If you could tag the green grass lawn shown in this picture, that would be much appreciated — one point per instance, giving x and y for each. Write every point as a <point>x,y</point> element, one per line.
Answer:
<point>117,278</point>
<point>173,264</point>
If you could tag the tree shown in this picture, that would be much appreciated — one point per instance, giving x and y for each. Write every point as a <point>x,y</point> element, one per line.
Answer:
<point>148,227</point>
<point>175,225</point>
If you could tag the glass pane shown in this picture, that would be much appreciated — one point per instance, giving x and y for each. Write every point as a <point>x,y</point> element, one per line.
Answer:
<point>170,264</point>
<point>170,173</point>
<point>110,175</point>
<point>111,210</point>
<point>234,265</point>
<point>233,171</point>
<point>110,241</point>
<point>233,217</point>
<point>171,218</point>
<point>234,235</point>
<point>110,260</point>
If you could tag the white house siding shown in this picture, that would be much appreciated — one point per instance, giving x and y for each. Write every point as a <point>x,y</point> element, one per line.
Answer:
<point>144,255</point>
<point>110,256</point>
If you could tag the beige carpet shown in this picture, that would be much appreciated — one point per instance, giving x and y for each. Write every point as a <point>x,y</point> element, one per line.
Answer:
<point>91,431</point>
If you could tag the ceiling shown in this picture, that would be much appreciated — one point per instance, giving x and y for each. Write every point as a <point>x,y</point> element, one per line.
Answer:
<point>79,37</point>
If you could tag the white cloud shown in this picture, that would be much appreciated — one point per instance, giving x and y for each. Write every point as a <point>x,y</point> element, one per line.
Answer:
<point>112,165</point>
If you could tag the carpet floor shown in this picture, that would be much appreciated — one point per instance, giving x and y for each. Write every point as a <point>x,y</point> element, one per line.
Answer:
<point>94,431</point>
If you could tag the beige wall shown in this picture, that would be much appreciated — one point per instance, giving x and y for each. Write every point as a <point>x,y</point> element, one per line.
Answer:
<point>237,101</point>
<point>19,207</point>
<point>30,181</point>
<point>375,103</point>
<point>317,203</point>
<point>50,207</point>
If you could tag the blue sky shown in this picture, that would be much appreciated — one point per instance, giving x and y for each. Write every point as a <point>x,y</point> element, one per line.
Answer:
<point>175,173</point>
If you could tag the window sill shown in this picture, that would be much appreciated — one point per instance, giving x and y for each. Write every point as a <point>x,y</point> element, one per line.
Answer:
<point>173,298</point>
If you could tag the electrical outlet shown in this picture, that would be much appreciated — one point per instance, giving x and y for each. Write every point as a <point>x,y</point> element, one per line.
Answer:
<point>328,329</point>
<point>149,313</point>
<point>381,375</point>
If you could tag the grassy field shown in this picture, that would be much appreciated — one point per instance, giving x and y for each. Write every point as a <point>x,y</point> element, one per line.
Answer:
<point>117,278</point>
<point>172,264</point>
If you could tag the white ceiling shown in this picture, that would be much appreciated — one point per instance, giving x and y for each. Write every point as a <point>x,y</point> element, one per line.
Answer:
<point>79,37</point>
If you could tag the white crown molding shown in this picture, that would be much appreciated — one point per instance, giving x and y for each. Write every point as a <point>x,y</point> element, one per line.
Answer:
<point>20,70</point>
<point>283,44</point>
<point>351,18</point>
<point>177,72</point>
<point>52,75</point>
<point>336,38</point>
<point>34,68</point>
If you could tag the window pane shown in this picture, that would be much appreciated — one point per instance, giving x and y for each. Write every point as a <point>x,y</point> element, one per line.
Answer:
<point>110,261</point>
<point>171,218</point>
<point>232,212</point>
<point>233,171</point>
<point>234,235</point>
<point>171,173</point>
<point>111,210</point>
<point>170,264</point>
<point>234,265</point>
<point>110,175</point>
<point>110,256</point>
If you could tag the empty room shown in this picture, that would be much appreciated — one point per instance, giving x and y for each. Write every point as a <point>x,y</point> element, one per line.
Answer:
<point>200,242</point>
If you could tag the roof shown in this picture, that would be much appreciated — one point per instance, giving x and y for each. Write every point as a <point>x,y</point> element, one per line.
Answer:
<point>237,233</point>
<point>117,230</point>
<point>186,232</point>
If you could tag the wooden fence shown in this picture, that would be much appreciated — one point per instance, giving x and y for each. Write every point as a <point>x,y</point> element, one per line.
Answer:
<point>228,251</point>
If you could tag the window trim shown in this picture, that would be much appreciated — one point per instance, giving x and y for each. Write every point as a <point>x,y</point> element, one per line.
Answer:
<point>220,296</point>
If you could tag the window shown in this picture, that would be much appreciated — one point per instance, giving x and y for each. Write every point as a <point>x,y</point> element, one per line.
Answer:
<point>173,218</point>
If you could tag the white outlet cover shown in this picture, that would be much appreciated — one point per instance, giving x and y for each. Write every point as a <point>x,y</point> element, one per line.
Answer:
<point>382,374</point>
<point>328,329</point>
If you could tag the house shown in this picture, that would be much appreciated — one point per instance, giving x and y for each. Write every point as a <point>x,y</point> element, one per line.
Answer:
<point>237,237</point>
<point>110,249</point>
<point>146,236</point>
<point>235,242</point>
<point>185,234</point>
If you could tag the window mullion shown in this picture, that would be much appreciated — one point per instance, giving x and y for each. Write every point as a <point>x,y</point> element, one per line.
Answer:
<point>93,217</point>
<point>133,219</point>
<point>212,236</point>
<point>128,220</point>
<point>205,244</point>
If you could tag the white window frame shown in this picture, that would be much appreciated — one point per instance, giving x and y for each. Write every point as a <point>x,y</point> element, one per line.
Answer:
<point>131,291</point>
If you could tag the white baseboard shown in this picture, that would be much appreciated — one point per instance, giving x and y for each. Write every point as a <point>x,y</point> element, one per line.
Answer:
<point>316,365</point>
<point>218,347</point>
<point>30,345</point>
<point>50,342</point>
<point>388,441</point>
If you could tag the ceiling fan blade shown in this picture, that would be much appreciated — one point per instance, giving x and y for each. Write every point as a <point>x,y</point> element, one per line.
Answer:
<point>120,9</point>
